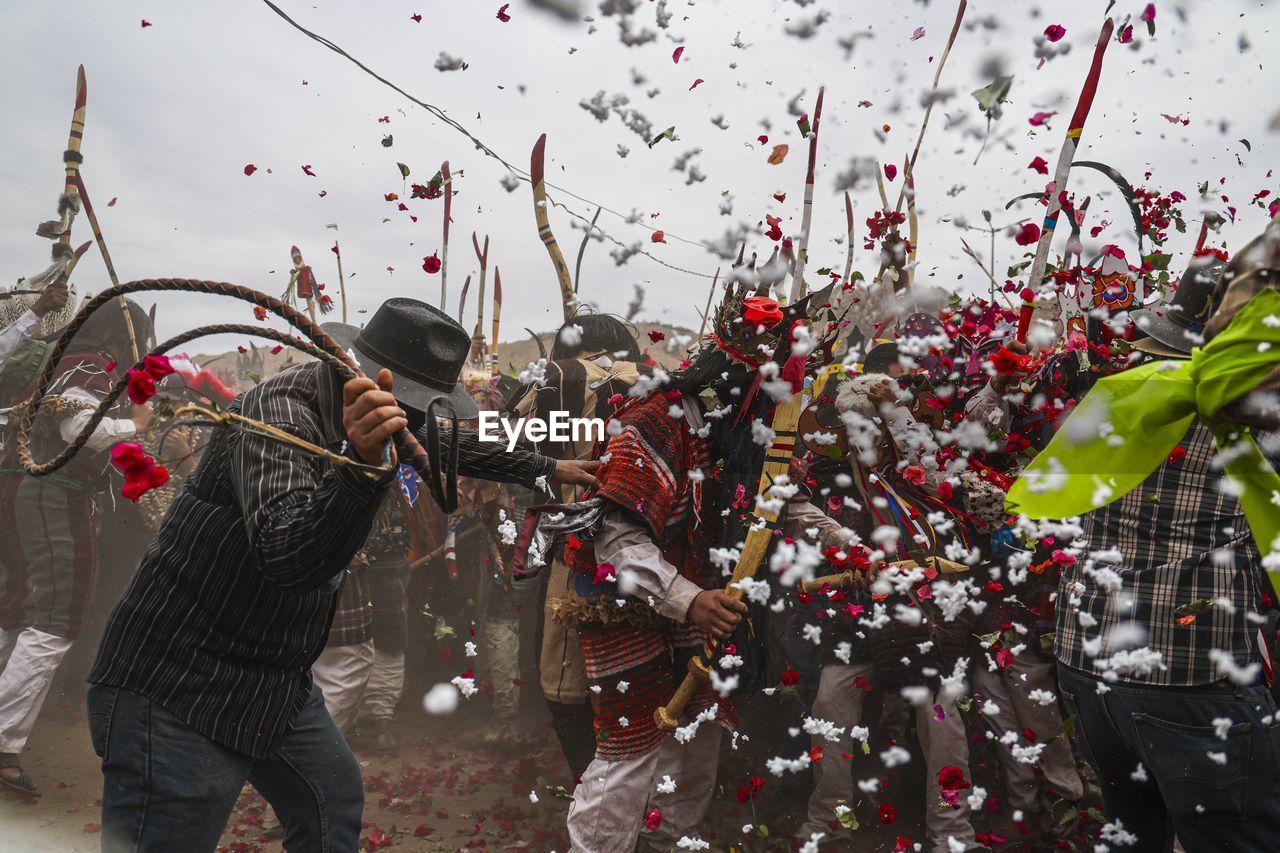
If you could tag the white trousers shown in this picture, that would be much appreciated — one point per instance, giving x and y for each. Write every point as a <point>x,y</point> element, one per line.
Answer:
<point>29,658</point>
<point>386,683</point>
<point>943,742</point>
<point>342,673</point>
<point>1009,689</point>
<point>610,803</point>
<point>501,640</point>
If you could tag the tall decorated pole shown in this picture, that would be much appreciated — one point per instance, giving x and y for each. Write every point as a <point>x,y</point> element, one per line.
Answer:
<point>1065,157</point>
<point>73,185</point>
<point>446,182</point>
<point>72,157</point>
<point>806,219</point>
<point>537,178</point>
<point>497,320</point>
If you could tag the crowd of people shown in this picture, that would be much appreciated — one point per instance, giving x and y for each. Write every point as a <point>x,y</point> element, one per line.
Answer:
<point>790,578</point>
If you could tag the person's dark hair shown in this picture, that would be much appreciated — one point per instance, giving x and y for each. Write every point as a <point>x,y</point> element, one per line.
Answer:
<point>106,332</point>
<point>881,358</point>
<point>601,333</point>
<point>731,436</point>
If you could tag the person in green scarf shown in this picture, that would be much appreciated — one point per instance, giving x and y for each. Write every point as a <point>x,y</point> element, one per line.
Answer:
<point>1161,659</point>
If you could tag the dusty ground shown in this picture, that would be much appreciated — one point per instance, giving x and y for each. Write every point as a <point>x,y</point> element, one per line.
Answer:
<point>433,796</point>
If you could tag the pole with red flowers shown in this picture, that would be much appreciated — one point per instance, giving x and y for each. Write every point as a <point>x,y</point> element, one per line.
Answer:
<point>1066,156</point>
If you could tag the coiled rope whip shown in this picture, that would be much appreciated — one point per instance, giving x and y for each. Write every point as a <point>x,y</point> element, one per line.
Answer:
<point>441,479</point>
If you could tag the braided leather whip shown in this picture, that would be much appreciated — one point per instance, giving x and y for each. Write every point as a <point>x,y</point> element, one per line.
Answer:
<point>316,344</point>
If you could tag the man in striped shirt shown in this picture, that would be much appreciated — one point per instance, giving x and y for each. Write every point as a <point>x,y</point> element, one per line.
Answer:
<point>203,677</point>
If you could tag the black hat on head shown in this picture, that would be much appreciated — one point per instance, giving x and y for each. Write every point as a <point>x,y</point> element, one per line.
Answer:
<point>423,347</point>
<point>1179,325</point>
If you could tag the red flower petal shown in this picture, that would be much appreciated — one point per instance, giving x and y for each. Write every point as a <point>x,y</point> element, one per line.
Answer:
<point>1055,32</point>
<point>250,169</point>
<point>502,13</point>
<point>675,55</point>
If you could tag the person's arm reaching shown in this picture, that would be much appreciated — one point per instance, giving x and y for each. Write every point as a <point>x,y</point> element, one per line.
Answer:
<point>305,519</point>
<point>642,572</point>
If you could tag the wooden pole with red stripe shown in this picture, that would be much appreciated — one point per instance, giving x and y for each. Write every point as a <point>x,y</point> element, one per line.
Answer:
<point>1035,276</point>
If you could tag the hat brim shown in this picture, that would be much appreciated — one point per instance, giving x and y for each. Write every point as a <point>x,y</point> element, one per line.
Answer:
<point>408,392</point>
<point>1151,346</point>
<point>1163,330</point>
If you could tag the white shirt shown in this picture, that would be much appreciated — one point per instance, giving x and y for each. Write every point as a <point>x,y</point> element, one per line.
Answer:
<point>17,332</point>
<point>106,433</point>
<point>630,549</point>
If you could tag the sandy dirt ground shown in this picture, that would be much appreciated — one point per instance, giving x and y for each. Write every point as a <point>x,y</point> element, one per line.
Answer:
<point>438,793</point>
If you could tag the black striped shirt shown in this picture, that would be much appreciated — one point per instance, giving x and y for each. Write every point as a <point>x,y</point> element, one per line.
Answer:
<point>233,601</point>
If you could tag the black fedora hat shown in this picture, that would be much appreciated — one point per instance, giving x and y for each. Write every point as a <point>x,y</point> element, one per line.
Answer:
<point>1180,324</point>
<point>423,347</point>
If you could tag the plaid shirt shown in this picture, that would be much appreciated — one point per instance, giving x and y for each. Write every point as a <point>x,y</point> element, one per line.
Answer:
<point>1181,539</point>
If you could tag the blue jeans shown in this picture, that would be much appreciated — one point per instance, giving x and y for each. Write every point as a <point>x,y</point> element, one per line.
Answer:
<point>165,787</point>
<point>1215,788</point>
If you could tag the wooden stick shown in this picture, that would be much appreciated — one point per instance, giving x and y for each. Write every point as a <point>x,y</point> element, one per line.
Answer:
<point>447,183</point>
<point>913,223</point>
<point>806,219</point>
<point>497,315</point>
<point>848,258</point>
<point>537,179</point>
<point>111,268</point>
<point>706,312</point>
<point>342,283</point>
<point>582,250</point>
<point>938,564</point>
<point>462,300</point>
<point>478,338</point>
<point>928,110</point>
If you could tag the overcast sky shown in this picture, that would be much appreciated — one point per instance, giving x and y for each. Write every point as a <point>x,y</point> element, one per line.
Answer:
<point>179,108</point>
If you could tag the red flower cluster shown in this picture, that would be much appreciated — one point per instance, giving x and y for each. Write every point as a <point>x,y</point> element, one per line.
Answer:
<point>749,792</point>
<point>141,473</point>
<point>142,383</point>
<point>881,224</point>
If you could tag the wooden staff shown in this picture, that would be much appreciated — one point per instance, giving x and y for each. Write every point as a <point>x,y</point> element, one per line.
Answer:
<point>806,219</point>
<point>848,258</point>
<point>913,223</point>
<point>843,579</point>
<point>477,339</point>
<point>1065,157</point>
<point>777,462</point>
<point>462,300</point>
<point>928,110</point>
<point>497,316</point>
<point>447,183</point>
<point>582,250</point>
<point>537,176</point>
<point>342,284</point>
<point>106,260</point>
<point>706,312</point>
<point>71,158</point>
